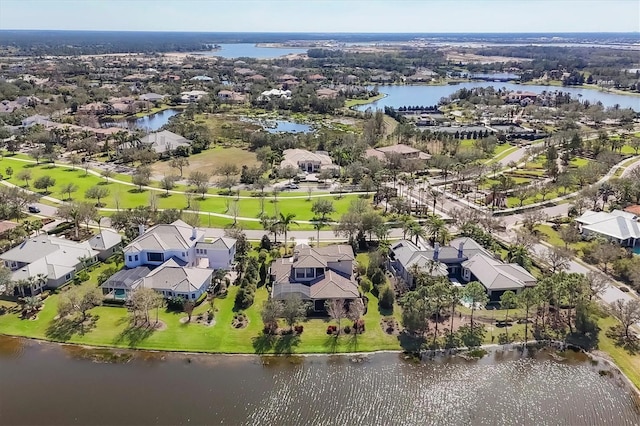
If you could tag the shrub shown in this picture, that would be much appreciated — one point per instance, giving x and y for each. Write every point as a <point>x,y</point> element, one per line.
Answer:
<point>332,329</point>
<point>244,297</point>
<point>377,277</point>
<point>299,329</point>
<point>386,298</point>
<point>366,285</point>
<point>358,326</point>
<point>347,329</point>
<point>265,243</point>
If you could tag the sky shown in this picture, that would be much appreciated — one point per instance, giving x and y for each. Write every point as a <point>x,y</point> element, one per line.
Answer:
<point>391,16</point>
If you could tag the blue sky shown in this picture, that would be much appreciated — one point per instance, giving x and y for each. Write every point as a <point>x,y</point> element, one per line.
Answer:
<point>324,15</point>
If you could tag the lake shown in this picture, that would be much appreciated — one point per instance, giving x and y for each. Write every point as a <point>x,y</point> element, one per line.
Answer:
<point>49,384</point>
<point>149,123</point>
<point>407,95</point>
<point>280,126</point>
<point>250,50</point>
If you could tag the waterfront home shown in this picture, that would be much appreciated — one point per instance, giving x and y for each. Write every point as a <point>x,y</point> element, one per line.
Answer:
<point>164,142</point>
<point>173,259</point>
<point>178,240</point>
<point>171,279</point>
<point>56,258</point>
<point>267,95</point>
<point>406,256</point>
<point>496,276</point>
<point>106,243</point>
<point>617,226</point>
<point>306,161</point>
<point>315,274</point>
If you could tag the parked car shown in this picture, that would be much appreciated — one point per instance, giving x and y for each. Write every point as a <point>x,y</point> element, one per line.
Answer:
<point>33,209</point>
<point>291,186</point>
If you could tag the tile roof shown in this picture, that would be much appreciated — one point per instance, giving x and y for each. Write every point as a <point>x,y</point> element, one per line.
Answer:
<point>175,236</point>
<point>105,240</point>
<point>495,275</point>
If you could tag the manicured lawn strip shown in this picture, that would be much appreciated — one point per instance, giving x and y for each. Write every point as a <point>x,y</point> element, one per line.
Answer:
<point>628,363</point>
<point>111,330</point>
<point>501,152</point>
<point>553,238</point>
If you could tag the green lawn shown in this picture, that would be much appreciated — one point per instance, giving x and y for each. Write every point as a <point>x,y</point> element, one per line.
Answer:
<point>129,197</point>
<point>553,238</point>
<point>353,102</point>
<point>112,322</point>
<point>628,362</point>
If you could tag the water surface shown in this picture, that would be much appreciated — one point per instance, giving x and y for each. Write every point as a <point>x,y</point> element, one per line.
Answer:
<point>250,50</point>
<point>412,95</point>
<point>48,384</point>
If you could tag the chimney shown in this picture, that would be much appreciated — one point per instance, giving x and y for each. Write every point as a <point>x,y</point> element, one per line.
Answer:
<point>141,229</point>
<point>436,251</point>
<point>460,249</point>
<point>194,233</point>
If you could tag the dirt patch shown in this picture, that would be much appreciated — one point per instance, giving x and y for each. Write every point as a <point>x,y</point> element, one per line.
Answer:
<point>202,319</point>
<point>390,326</point>
<point>209,160</point>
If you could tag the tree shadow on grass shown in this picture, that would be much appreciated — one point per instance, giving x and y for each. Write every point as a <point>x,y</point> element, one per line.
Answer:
<point>62,329</point>
<point>286,343</point>
<point>331,343</point>
<point>353,342</point>
<point>263,343</point>
<point>631,345</point>
<point>134,333</point>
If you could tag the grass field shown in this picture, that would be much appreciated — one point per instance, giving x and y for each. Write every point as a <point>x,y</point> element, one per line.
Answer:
<point>128,196</point>
<point>209,161</point>
<point>628,362</point>
<point>353,102</point>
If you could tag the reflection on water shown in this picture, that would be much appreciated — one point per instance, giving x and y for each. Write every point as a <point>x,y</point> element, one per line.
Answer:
<point>159,388</point>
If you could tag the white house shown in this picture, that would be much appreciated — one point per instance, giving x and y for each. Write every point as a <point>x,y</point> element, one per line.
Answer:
<point>56,258</point>
<point>618,226</point>
<point>307,161</point>
<point>106,243</point>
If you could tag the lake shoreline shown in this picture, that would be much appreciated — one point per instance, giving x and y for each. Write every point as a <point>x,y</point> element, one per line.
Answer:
<point>422,355</point>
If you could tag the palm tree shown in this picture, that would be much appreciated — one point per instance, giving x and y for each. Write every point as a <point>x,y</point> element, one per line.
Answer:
<point>417,231</point>
<point>475,294</point>
<point>318,224</point>
<point>435,227</point>
<point>285,223</point>
<point>517,253</point>
<point>528,297</point>
<point>454,296</point>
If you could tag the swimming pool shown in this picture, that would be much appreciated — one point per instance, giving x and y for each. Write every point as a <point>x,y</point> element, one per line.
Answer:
<point>636,250</point>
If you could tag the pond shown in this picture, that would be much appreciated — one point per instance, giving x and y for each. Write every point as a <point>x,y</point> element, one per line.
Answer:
<point>45,383</point>
<point>280,126</point>
<point>250,50</point>
<point>148,123</point>
<point>410,95</point>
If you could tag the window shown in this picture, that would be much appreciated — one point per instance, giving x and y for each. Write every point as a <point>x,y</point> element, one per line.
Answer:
<point>130,259</point>
<point>183,254</point>
<point>68,277</point>
<point>299,273</point>
<point>193,295</point>
<point>309,272</point>
<point>136,258</point>
<point>204,251</point>
<point>155,257</point>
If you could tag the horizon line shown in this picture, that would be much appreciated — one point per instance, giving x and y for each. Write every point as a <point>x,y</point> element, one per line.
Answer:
<point>318,32</point>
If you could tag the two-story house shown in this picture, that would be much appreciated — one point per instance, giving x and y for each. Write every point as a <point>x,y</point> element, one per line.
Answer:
<point>177,246</point>
<point>315,274</point>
